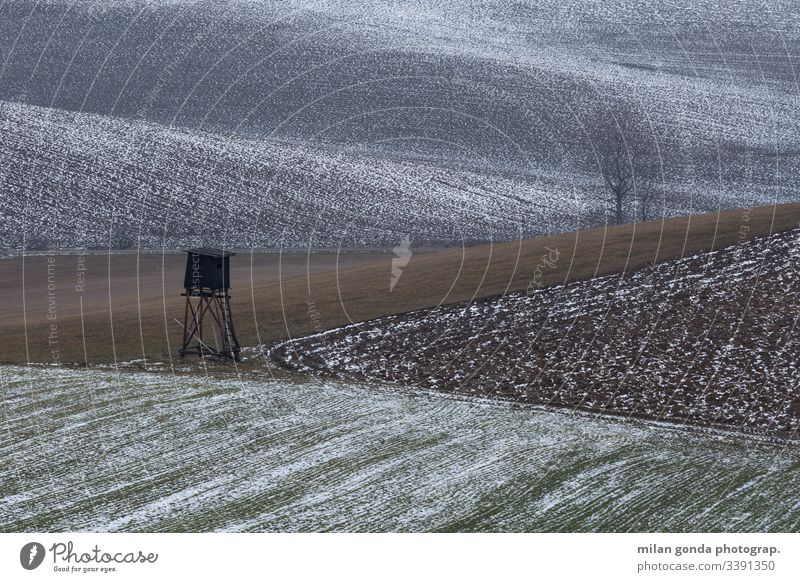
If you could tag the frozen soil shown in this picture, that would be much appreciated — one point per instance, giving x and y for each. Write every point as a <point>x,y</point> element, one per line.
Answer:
<point>710,339</point>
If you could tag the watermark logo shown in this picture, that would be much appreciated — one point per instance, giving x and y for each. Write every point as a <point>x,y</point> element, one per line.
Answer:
<point>402,254</point>
<point>548,260</point>
<point>31,555</point>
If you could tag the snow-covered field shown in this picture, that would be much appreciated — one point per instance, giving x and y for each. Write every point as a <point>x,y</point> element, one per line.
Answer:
<point>98,450</point>
<point>300,123</point>
<point>303,122</point>
<point>710,339</point>
<point>77,180</point>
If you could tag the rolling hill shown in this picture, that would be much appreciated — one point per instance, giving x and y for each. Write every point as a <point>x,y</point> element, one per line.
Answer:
<point>127,305</point>
<point>314,123</point>
<point>74,180</point>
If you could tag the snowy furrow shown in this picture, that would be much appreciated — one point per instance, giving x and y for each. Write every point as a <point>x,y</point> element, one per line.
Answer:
<point>143,452</point>
<point>709,339</point>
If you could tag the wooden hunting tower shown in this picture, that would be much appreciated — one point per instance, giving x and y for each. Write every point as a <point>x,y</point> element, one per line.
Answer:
<point>207,322</point>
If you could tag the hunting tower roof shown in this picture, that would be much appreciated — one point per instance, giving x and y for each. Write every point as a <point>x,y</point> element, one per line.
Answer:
<point>209,252</point>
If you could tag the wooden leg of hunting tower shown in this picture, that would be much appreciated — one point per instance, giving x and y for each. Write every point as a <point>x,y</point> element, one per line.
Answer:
<point>187,333</point>
<point>193,327</point>
<point>221,319</point>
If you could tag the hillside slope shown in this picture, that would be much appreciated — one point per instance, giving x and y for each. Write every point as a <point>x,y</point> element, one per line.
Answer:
<point>486,79</point>
<point>314,122</point>
<point>76,180</point>
<point>708,339</point>
<point>127,306</point>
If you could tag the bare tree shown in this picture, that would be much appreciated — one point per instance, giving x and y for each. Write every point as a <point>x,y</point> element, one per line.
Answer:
<point>645,194</point>
<point>625,161</point>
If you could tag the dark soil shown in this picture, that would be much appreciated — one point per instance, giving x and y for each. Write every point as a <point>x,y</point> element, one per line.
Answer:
<point>710,340</point>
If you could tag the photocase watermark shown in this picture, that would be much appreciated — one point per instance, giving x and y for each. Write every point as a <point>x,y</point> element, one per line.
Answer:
<point>314,315</point>
<point>743,233</point>
<point>31,555</point>
<point>316,319</point>
<point>402,256</point>
<point>67,559</point>
<point>195,271</point>
<point>80,272</point>
<point>548,260</point>
<point>744,227</point>
<point>52,311</point>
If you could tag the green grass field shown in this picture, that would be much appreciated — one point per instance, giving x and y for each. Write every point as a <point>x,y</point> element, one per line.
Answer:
<point>102,451</point>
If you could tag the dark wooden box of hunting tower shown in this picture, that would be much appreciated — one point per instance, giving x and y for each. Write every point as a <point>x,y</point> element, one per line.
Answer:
<point>207,269</point>
<point>208,324</point>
